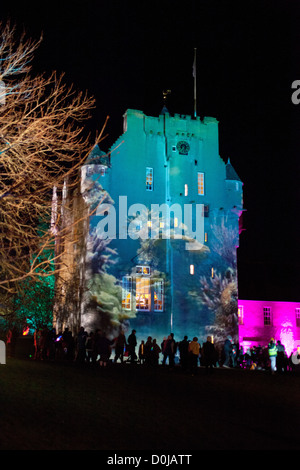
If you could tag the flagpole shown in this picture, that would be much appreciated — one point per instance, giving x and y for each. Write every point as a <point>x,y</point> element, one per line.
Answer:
<point>195,83</point>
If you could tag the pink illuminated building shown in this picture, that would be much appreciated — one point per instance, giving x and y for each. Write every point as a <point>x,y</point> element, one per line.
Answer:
<point>261,320</point>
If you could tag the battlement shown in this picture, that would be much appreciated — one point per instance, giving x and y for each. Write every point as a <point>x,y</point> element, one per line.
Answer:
<point>171,126</point>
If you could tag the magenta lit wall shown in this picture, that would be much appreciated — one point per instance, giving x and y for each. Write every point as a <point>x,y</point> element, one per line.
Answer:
<point>283,326</point>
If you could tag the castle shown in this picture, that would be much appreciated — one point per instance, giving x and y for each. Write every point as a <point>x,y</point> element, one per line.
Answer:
<point>174,224</point>
<point>168,208</point>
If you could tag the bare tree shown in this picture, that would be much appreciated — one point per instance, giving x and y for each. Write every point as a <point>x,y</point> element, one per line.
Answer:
<point>42,145</point>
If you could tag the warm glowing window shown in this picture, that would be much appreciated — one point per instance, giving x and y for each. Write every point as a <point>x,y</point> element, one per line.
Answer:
<point>267,316</point>
<point>127,292</point>
<point>192,269</point>
<point>241,314</point>
<point>159,295</point>
<point>143,294</point>
<point>201,184</point>
<point>186,190</point>
<point>205,237</point>
<point>297,312</point>
<point>176,222</point>
<point>149,179</point>
<point>212,273</point>
<point>145,270</point>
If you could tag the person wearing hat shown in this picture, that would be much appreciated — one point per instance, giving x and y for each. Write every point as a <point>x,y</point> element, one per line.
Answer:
<point>272,349</point>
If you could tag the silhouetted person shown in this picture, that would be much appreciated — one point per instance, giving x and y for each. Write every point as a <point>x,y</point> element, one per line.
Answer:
<point>168,351</point>
<point>81,345</point>
<point>209,355</point>
<point>154,353</point>
<point>120,347</point>
<point>147,350</point>
<point>104,349</point>
<point>281,360</point>
<point>132,345</point>
<point>227,351</point>
<point>184,352</point>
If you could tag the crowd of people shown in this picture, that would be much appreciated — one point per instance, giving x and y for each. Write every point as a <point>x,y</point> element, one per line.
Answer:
<point>96,348</point>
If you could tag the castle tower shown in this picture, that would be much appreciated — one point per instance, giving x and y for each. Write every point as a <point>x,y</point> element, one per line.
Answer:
<point>172,163</point>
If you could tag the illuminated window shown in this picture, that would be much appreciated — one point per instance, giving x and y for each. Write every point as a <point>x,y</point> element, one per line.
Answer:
<point>127,292</point>
<point>159,295</point>
<point>176,222</point>
<point>201,184</point>
<point>149,179</point>
<point>192,269</point>
<point>267,316</point>
<point>297,312</point>
<point>143,294</point>
<point>212,273</point>
<point>186,189</point>
<point>205,237</point>
<point>241,314</point>
<point>145,270</point>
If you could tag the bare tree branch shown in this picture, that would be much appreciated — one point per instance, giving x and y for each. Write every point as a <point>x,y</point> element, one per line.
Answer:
<point>43,143</point>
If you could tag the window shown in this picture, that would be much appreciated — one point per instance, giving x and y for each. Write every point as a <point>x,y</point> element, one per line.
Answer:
<point>241,315</point>
<point>149,179</point>
<point>145,270</point>
<point>186,190</point>
<point>267,316</point>
<point>143,295</point>
<point>127,292</point>
<point>297,312</point>
<point>192,269</point>
<point>159,295</point>
<point>201,184</point>
<point>205,210</point>
<point>89,170</point>
<point>2,92</point>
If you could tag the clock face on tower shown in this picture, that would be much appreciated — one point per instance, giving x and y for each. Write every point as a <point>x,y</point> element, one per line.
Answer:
<point>183,147</point>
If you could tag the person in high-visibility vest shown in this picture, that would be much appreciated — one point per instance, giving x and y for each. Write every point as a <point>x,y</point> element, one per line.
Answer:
<point>272,349</point>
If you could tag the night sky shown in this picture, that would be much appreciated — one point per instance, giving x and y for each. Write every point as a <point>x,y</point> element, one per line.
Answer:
<point>126,53</point>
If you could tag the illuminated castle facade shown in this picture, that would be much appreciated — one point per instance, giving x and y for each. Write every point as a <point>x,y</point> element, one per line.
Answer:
<point>174,224</point>
<point>172,218</point>
<point>260,320</point>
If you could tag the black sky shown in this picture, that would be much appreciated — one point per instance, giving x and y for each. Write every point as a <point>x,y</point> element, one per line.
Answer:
<point>125,53</point>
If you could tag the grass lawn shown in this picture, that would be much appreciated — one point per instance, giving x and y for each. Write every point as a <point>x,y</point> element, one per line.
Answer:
<point>60,406</point>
